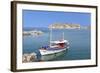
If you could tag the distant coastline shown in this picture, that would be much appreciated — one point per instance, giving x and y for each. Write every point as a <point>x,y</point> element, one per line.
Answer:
<point>37,31</point>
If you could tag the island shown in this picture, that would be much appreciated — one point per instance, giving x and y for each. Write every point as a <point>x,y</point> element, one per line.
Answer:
<point>64,26</point>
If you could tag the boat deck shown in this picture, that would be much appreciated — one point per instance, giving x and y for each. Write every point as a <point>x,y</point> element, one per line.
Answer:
<point>51,48</point>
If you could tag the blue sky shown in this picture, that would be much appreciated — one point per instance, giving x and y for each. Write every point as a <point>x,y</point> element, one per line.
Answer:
<point>33,18</point>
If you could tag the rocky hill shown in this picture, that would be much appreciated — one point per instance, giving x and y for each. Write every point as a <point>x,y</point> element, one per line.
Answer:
<point>64,26</point>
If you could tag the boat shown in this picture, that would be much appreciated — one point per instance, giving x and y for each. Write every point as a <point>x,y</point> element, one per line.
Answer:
<point>54,49</point>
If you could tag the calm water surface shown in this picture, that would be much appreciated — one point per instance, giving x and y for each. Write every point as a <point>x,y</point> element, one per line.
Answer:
<point>79,43</point>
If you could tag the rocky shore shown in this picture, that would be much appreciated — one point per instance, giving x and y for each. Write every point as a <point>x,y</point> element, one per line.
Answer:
<point>34,33</point>
<point>29,57</point>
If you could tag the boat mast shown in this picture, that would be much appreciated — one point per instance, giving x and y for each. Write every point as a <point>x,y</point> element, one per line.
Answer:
<point>63,35</point>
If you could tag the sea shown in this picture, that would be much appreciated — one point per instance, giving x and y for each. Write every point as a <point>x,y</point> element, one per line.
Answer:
<point>79,42</point>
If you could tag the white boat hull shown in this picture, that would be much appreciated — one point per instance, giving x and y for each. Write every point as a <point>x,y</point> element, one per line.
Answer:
<point>49,55</point>
<point>47,52</point>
